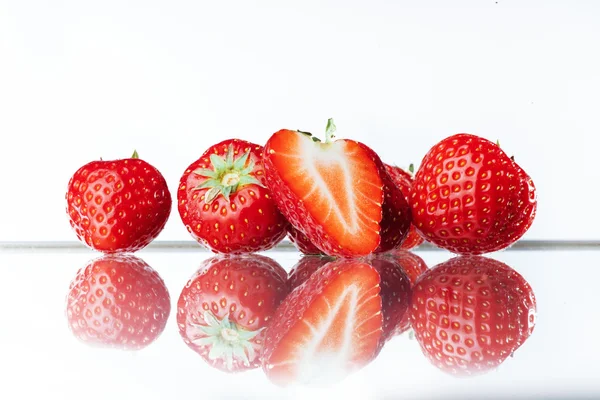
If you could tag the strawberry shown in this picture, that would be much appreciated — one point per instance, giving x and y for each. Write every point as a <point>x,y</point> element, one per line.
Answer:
<point>224,308</point>
<point>302,242</point>
<point>224,203</point>
<point>118,206</point>
<point>118,301</point>
<point>413,266</point>
<point>470,313</point>
<point>334,192</point>
<point>327,327</point>
<point>469,197</point>
<point>404,181</point>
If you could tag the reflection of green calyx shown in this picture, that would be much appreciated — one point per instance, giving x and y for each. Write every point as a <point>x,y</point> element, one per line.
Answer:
<point>227,175</point>
<point>226,340</point>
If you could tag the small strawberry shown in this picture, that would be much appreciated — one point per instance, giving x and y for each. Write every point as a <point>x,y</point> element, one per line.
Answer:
<point>404,181</point>
<point>302,242</point>
<point>470,313</point>
<point>118,301</point>
<point>327,327</point>
<point>118,206</point>
<point>334,192</point>
<point>413,266</point>
<point>469,197</point>
<point>224,308</point>
<point>224,203</point>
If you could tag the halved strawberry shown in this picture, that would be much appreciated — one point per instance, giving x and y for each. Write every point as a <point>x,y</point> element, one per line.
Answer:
<point>331,191</point>
<point>327,327</point>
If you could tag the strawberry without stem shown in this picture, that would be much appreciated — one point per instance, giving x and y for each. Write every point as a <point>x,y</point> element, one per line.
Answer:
<point>470,313</point>
<point>404,181</point>
<point>469,197</point>
<point>327,327</point>
<point>118,206</point>
<point>224,203</point>
<point>224,308</point>
<point>118,301</point>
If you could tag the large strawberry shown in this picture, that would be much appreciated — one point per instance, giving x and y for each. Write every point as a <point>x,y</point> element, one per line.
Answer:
<point>469,197</point>
<point>327,327</point>
<point>224,203</point>
<point>470,313</point>
<point>118,301</point>
<point>118,206</point>
<point>335,192</point>
<point>223,309</point>
<point>404,181</point>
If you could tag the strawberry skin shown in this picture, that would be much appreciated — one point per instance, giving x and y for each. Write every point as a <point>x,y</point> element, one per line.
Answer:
<point>118,206</point>
<point>224,308</point>
<point>224,203</point>
<point>302,242</point>
<point>304,268</point>
<point>469,197</point>
<point>118,301</point>
<point>327,327</point>
<point>330,191</point>
<point>470,313</point>
<point>404,181</point>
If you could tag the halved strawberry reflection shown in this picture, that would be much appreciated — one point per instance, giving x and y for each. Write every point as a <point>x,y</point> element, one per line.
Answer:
<point>328,327</point>
<point>224,308</point>
<point>470,313</point>
<point>118,301</point>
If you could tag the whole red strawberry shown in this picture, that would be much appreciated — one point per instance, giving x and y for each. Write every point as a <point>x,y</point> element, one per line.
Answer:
<point>404,181</point>
<point>336,193</point>
<point>470,313</point>
<point>224,203</point>
<point>118,301</point>
<point>327,327</point>
<point>302,242</point>
<point>118,206</point>
<point>469,197</point>
<point>224,308</point>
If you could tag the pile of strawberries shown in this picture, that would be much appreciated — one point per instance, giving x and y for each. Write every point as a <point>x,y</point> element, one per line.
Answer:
<point>338,200</point>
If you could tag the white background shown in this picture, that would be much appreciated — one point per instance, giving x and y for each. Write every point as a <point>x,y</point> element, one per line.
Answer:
<point>80,80</point>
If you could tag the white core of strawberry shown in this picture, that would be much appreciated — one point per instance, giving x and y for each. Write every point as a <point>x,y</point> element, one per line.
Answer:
<point>316,366</point>
<point>227,341</point>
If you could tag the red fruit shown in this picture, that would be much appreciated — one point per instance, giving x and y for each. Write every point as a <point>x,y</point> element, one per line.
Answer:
<point>224,203</point>
<point>118,301</point>
<point>224,308</point>
<point>330,191</point>
<point>301,241</point>
<point>395,294</point>
<point>470,313</point>
<point>404,181</point>
<point>118,206</point>
<point>469,197</point>
<point>327,327</point>
<point>305,268</point>
<point>413,266</point>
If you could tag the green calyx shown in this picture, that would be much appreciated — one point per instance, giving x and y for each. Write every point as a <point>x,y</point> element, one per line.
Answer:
<point>227,176</point>
<point>227,340</point>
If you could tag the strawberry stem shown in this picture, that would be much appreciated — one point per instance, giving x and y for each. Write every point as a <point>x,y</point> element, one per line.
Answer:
<point>329,130</point>
<point>135,154</point>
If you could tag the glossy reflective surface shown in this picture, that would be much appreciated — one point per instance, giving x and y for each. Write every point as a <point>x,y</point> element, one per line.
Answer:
<point>43,358</point>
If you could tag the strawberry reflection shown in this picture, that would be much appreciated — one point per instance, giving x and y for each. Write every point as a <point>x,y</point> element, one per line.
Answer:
<point>470,313</point>
<point>224,308</point>
<point>117,301</point>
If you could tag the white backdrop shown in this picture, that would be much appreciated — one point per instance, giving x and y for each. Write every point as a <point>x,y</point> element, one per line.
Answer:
<point>80,80</point>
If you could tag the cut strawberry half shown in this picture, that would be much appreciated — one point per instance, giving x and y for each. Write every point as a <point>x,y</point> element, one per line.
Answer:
<point>328,327</point>
<point>331,191</point>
